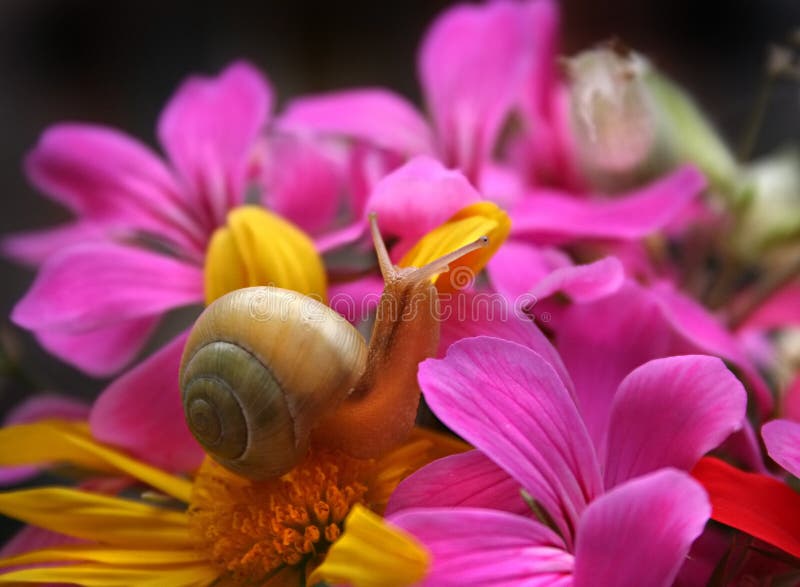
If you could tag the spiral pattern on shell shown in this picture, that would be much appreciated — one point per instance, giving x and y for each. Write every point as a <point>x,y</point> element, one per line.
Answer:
<point>261,367</point>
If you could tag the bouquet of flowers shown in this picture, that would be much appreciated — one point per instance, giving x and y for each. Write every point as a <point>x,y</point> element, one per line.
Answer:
<point>541,332</point>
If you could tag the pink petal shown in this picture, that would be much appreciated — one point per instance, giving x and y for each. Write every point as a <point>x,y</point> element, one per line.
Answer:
<point>42,406</point>
<point>509,403</point>
<point>602,341</point>
<point>471,314</point>
<point>518,266</point>
<point>302,184</point>
<point>141,412</point>
<point>583,283</point>
<point>705,333</point>
<point>209,128</point>
<point>36,246</point>
<point>379,117</point>
<point>669,413</point>
<point>101,351</point>
<point>640,532</point>
<point>780,310</point>
<point>356,300</point>
<point>782,438</point>
<point>560,218</point>
<point>418,197</point>
<point>468,479</point>
<point>472,66</point>
<point>107,177</point>
<point>100,284</point>
<point>483,547</point>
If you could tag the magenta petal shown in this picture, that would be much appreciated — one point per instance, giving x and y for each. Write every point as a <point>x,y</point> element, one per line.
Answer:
<point>583,283</point>
<point>107,177</point>
<point>36,246</point>
<point>782,309</point>
<point>379,117</point>
<point>602,341</point>
<point>209,128</point>
<point>640,532</point>
<point>706,334</point>
<point>669,413</point>
<point>468,479</point>
<point>556,218</point>
<point>356,300</point>
<point>484,547</point>
<point>473,65</point>
<point>512,405</point>
<point>43,406</point>
<point>302,183</point>
<point>100,284</point>
<point>419,196</point>
<point>141,412</point>
<point>489,315</point>
<point>518,266</point>
<point>102,351</point>
<point>782,438</point>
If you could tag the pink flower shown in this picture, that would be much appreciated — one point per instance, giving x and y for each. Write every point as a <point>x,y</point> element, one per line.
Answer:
<point>136,249</point>
<point>541,500</point>
<point>141,243</point>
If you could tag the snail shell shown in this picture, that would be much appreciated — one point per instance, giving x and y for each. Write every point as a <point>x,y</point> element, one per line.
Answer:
<point>260,368</point>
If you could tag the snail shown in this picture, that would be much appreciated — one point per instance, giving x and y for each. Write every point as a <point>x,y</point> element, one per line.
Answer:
<point>266,370</point>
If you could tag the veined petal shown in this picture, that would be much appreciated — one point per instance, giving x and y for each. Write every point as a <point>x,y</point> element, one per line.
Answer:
<point>512,405</point>
<point>112,179</point>
<point>101,284</point>
<point>372,553</point>
<point>669,413</point>
<point>69,442</point>
<point>261,248</point>
<point>561,218</point>
<point>141,412</point>
<point>470,479</point>
<point>782,438</point>
<point>471,546</point>
<point>377,116</point>
<point>465,227</point>
<point>101,575</point>
<point>753,503</point>
<point>209,128</point>
<point>640,532</point>
<point>108,520</point>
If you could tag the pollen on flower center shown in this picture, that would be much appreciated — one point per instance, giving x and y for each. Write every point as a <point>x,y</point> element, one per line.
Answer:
<point>252,529</point>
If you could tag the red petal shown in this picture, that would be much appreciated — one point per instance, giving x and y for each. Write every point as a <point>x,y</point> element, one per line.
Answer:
<point>753,503</point>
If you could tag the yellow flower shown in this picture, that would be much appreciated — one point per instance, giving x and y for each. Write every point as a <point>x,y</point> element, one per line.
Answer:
<point>215,528</point>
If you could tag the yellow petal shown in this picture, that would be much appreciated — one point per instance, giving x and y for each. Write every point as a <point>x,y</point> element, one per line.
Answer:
<point>466,226</point>
<point>104,554</point>
<point>100,575</point>
<point>258,247</point>
<point>372,553</point>
<point>100,518</point>
<point>70,442</point>
<point>422,447</point>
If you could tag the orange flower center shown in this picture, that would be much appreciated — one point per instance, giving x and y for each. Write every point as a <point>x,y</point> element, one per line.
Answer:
<point>253,529</point>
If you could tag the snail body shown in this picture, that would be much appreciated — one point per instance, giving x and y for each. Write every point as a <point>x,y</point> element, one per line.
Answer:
<point>266,370</point>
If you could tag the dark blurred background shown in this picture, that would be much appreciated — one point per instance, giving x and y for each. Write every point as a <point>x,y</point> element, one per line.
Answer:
<point>118,62</point>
